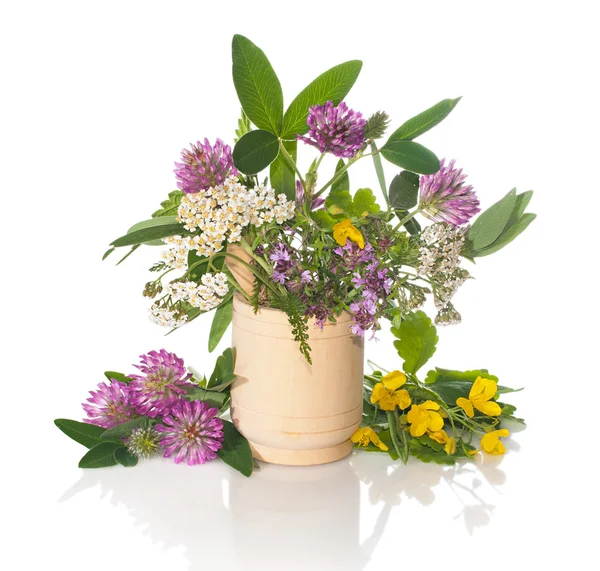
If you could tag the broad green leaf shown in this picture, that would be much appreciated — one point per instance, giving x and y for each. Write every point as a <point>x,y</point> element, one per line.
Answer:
<point>213,398</point>
<point>110,375</point>
<point>255,151</point>
<point>87,434</point>
<point>507,236</point>
<point>162,229</point>
<point>220,324</point>
<point>412,226</point>
<point>153,223</point>
<point>411,156</point>
<point>417,340</point>
<point>100,456</point>
<point>169,206</point>
<point>521,204</point>
<point>323,219</point>
<point>244,127</point>
<point>490,223</point>
<point>124,429</point>
<point>257,85</point>
<point>339,201</point>
<point>282,175</point>
<point>424,121</point>
<point>342,183</point>
<point>404,190</point>
<point>224,367</point>
<point>236,450</point>
<point>333,85</point>
<point>125,458</point>
<point>364,202</point>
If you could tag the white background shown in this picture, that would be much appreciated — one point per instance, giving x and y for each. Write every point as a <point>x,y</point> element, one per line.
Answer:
<point>98,99</point>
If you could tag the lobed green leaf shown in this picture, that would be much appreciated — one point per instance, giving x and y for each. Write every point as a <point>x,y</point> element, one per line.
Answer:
<point>417,340</point>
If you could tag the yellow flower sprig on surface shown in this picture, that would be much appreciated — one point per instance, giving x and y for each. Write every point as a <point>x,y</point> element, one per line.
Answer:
<point>490,442</point>
<point>480,397</point>
<point>387,395</point>
<point>366,436</point>
<point>346,230</point>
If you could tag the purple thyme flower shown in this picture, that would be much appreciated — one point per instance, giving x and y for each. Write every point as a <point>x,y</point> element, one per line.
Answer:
<point>305,277</point>
<point>336,130</point>
<point>192,432</point>
<point>109,405</point>
<point>204,166</point>
<point>364,316</point>
<point>445,198</point>
<point>161,384</point>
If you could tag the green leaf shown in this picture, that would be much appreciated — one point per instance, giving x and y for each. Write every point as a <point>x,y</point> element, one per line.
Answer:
<point>110,375</point>
<point>412,226</point>
<point>364,202</point>
<point>244,127</point>
<point>421,123</point>
<point>162,229</point>
<point>417,339</point>
<point>124,429</point>
<point>100,456</point>
<point>282,175</point>
<point>427,455</point>
<point>339,201</point>
<point>332,85</point>
<point>323,219</point>
<point>507,236</point>
<point>224,367</point>
<point>220,324</point>
<point>169,206</point>
<point>342,183</point>
<point>236,450</point>
<point>213,398</point>
<point>521,204</point>
<point>152,223</point>
<point>404,190</point>
<point>490,223</point>
<point>108,253</point>
<point>411,156</point>
<point>257,85</point>
<point>87,434</point>
<point>255,151</point>
<point>125,458</point>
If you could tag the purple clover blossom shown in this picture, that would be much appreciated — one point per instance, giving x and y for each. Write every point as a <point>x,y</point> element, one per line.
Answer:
<point>162,383</point>
<point>204,166</point>
<point>336,130</point>
<point>191,432</point>
<point>445,198</point>
<point>109,405</point>
<point>316,203</point>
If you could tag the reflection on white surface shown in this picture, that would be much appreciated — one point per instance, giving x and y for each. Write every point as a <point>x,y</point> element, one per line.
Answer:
<point>325,517</point>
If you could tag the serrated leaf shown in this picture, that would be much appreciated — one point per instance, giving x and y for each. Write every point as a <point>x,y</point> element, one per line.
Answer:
<point>125,458</point>
<point>424,121</point>
<point>244,127</point>
<point>427,455</point>
<point>255,151</point>
<point>411,156</point>
<point>100,456</point>
<point>507,236</point>
<point>404,191</point>
<point>342,183</point>
<point>257,85</point>
<point>489,224</point>
<point>332,85</point>
<point>236,450</point>
<point>87,434</point>
<point>220,324</point>
<point>124,429</point>
<point>224,367</point>
<point>417,340</point>
<point>364,202</point>
<point>282,175</point>
<point>110,375</point>
<point>323,219</point>
<point>169,206</point>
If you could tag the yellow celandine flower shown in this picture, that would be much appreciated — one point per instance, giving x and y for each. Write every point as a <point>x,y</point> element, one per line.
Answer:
<point>363,436</point>
<point>387,395</point>
<point>482,391</point>
<point>344,230</point>
<point>422,417</point>
<point>450,447</point>
<point>439,436</point>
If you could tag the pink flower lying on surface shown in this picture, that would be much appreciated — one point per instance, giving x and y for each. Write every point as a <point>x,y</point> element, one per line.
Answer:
<point>109,405</point>
<point>205,166</point>
<point>161,384</point>
<point>192,432</point>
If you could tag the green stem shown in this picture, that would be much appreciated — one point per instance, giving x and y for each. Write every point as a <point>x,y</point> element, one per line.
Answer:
<point>408,217</point>
<point>339,173</point>
<point>290,160</point>
<point>380,173</point>
<point>392,423</point>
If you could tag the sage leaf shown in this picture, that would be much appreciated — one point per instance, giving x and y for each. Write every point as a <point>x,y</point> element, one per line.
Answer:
<point>87,434</point>
<point>100,456</point>
<point>162,229</point>
<point>507,236</point>
<point>220,324</point>
<point>125,458</point>
<point>255,151</point>
<point>490,223</point>
<point>236,450</point>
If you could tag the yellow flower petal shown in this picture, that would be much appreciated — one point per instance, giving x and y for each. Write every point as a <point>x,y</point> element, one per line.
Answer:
<point>379,392</point>
<point>344,230</point>
<point>490,408</point>
<point>466,405</point>
<point>356,236</point>
<point>360,437</point>
<point>373,436</point>
<point>434,421</point>
<point>483,389</point>
<point>430,405</point>
<point>439,436</point>
<point>394,380</point>
<point>490,442</point>
<point>418,421</point>
<point>403,399</point>
<point>450,447</point>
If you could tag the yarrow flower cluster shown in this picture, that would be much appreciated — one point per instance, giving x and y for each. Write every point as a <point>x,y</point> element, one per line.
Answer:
<point>168,316</point>
<point>439,259</point>
<point>336,130</point>
<point>205,296</point>
<point>445,198</point>
<point>204,166</point>
<point>221,213</point>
